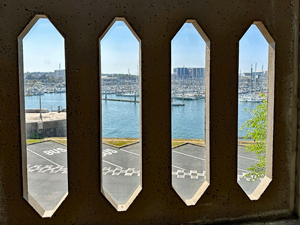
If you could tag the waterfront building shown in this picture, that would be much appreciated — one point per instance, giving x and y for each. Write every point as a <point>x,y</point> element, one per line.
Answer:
<point>189,72</point>
<point>59,75</point>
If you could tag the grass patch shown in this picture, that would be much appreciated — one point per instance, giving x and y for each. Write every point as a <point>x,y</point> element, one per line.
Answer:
<point>119,141</point>
<point>201,142</point>
<point>59,140</point>
<point>62,140</point>
<point>176,142</point>
<point>30,141</point>
<point>246,143</point>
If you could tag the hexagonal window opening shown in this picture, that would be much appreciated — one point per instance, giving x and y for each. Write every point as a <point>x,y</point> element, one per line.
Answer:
<point>190,54</point>
<point>121,179</point>
<point>255,110</point>
<point>43,115</point>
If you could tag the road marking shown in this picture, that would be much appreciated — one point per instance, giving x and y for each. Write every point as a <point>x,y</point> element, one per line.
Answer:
<point>108,151</point>
<point>43,157</point>
<point>243,170</point>
<point>118,171</point>
<point>55,151</point>
<point>47,168</point>
<point>189,155</point>
<point>186,169</point>
<point>204,159</point>
<point>178,167</point>
<point>112,164</point>
<point>192,174</point>
<point>129,152</point>
<point>248,158</point>
<point>247,178</point>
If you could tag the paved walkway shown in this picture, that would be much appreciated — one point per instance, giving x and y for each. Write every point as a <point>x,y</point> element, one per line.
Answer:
<point>35,117</point>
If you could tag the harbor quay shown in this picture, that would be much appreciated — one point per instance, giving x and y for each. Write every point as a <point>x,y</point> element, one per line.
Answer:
<point>47,124</point>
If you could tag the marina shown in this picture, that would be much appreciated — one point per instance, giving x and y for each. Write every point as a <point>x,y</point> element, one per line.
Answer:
<point>253,87</point>
<point>120,101</point>
<point>121,118</point>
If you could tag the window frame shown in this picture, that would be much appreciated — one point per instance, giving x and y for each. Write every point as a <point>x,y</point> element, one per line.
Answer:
<point>156,23</point>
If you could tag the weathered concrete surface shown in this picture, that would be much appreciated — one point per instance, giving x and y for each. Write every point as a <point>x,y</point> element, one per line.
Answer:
<point>53,125</point>
<point>35,117</point>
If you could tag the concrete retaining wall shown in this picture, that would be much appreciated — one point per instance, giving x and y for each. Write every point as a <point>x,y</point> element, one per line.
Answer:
<point>54,128</point>
<point>36,110</point>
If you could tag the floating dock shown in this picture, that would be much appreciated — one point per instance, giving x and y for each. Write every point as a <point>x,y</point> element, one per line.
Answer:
<point>120,100</point>
<point>136,101</point>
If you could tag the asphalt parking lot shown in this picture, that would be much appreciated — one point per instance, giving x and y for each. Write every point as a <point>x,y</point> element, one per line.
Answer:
<point>121,171</point>
<point>47,171</point>
<point>188,169</point>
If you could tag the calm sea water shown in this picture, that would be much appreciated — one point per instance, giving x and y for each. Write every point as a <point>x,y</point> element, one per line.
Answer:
<point>49,101</point>
<point>121,119</point>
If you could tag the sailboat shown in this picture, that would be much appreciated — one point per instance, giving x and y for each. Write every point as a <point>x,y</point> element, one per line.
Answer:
<point>251,97</point>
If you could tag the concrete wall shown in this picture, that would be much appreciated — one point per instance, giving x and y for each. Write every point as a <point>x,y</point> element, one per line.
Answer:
<point>55,128</point>
<point>156,22</point>
<point>36,110</point>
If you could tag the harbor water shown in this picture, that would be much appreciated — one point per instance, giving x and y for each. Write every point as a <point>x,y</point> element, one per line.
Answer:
<point>121,119</point>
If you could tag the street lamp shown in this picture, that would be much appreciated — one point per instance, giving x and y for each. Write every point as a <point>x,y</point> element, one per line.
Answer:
<point>40,105</point>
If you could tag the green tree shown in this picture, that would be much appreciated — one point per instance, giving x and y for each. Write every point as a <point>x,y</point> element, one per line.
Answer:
<point>256,128</point>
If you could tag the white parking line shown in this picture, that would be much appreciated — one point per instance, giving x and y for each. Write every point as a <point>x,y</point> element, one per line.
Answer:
<point>187,170</point>
<point>129,152</point>
<point>112,164</point>
<point>188,155</point>
<point>204,159</point>
<point>42,157</point>
<point>248,158</point>
<point>178,167</point>
<point>244,170</point>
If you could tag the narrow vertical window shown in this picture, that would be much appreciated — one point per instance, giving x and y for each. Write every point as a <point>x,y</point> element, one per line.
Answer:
<point>190,96</point>
<point>120,118</point>
<point>43,115</point>
<point>255,111</point>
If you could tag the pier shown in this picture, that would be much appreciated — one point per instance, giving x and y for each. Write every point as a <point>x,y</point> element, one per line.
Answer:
<point>120,100</point>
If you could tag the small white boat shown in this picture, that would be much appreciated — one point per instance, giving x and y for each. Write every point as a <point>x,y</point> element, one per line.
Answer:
<point>249,98</point>
<point>130,95</point>
<point>177,104</point>
<point>186,97</point>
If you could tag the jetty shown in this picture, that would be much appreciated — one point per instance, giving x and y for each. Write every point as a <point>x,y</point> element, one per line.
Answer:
<point>120,100</point>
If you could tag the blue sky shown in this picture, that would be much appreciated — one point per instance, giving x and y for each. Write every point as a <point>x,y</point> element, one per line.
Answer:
<point>119,50</point>
<point>43,49</point>
<point>187,48</point>
<point>253,49</point>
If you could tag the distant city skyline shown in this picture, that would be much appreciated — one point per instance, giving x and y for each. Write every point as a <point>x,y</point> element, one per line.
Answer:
<point>187,48</point>
<point>43,49</point>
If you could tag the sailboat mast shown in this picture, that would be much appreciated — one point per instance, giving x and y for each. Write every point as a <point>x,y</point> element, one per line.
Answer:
<point>255,74</point>
<point>251,79</point>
